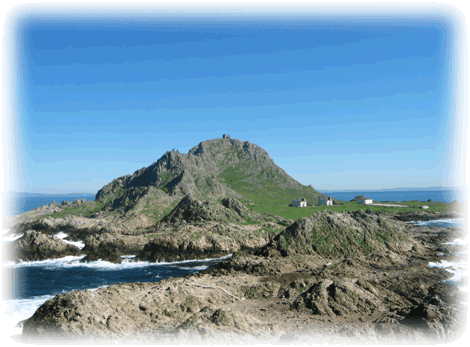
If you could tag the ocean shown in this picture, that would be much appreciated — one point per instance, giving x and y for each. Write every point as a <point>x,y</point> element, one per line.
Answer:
<point>396,195</point>
<point>27,285</point>
<point>22,204</point>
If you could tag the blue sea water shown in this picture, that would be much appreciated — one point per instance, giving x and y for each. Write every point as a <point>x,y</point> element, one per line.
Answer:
<point>394,195</point>
<point>30,284</point>
<point>55,276</point>
<point>22,204</point>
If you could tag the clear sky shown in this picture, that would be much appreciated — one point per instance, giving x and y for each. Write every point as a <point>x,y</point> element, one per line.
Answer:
<point>337,104</point>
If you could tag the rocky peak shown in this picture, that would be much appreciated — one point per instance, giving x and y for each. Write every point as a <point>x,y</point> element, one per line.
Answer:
<point>208,171</point>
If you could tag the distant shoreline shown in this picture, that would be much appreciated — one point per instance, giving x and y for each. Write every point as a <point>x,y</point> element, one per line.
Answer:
<point>28,195</point>
<point>428,189</point>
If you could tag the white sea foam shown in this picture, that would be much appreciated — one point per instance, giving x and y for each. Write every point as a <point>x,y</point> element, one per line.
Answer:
<point>193,261</point>
<point>63,235</point>
<point>16,310</point>
<point>127,263</point>
<point>11,237</point>
<point>6,236</point>
<point>458,268</point>
<point>458,242</point>
<point>59,262</point>
<point>456,223</point>
<point>199,268</point>
<point>95,289</point>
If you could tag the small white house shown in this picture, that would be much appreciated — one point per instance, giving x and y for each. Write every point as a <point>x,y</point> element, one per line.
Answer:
<point>366,201</point>
<point>325,201</point>
<point>301,202</point>
<point>424,207</point>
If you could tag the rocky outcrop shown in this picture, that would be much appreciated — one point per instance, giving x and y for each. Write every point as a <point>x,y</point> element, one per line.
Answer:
<point>426,215</point>
<point>206,240</point>
<point>238,207</point>
<point>347,297</point>
<point>35,245</point>
<point>129,309</point>
<point>332,234</point>
<point>75,226</point>
<point>191,210</point>
<point>384,295</point>
<point>110,247</point>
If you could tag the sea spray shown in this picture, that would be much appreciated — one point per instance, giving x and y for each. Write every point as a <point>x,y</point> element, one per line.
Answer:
<point>62,237</point>
<point>457,267</point>
<point>15,311</point>
<point>442,223</point>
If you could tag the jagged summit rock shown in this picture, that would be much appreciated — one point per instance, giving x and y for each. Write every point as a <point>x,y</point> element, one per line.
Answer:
<point>213,170</point>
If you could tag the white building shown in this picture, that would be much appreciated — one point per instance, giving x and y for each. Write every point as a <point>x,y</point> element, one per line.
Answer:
<point>366,201</point>
<point>325,201</point>
<point>301,202</point>
<point>425,207</point>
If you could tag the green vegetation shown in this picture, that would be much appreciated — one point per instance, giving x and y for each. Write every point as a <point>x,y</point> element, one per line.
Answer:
<point>166,176</point>
<point>164,189</point>
<point>113,195</point>
<point>267,195</point>
<point>280,207</point>
<point>85,209</point>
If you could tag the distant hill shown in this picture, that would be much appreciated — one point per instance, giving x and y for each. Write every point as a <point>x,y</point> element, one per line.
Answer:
<point>213,170</point>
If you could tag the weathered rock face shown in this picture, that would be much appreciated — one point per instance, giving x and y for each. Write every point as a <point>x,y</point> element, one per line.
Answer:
<point>238,207</point>
<point>190,209</point>
<point>135,308</point>
<point>206,240</point>
<point>166,249</point>
<point>35,245</point>
<point>74,225</point>
<point>110,247</point>
<point>347,297</point>
<point>332,234</point>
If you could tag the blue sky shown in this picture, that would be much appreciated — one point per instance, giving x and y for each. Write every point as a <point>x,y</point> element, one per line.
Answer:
<point>338,105</point>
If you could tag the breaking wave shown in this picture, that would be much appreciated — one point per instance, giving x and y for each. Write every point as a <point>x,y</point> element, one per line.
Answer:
<point>127,262</point>
<point>63,235</point>
<point>443,223</point>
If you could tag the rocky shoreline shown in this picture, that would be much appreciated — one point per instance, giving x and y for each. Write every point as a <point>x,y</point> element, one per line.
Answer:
<point>332,277</point>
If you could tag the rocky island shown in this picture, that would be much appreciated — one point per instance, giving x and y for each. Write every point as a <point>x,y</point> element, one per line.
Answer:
<point>332,275</point>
